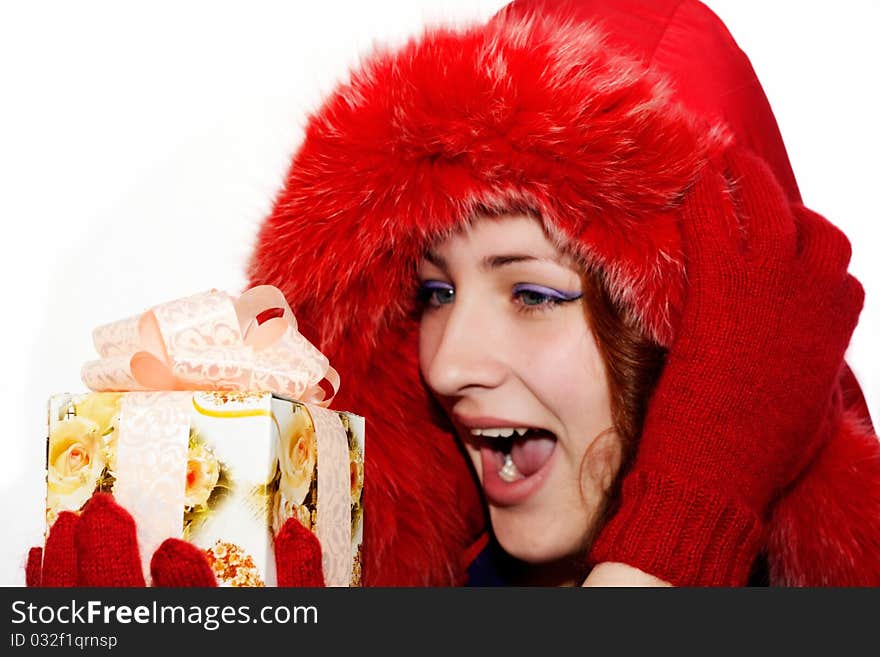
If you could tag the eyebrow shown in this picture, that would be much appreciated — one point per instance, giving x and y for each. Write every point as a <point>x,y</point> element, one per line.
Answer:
<point>493,262</point>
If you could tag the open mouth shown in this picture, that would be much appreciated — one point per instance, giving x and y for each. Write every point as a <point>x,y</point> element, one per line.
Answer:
<point>521,454</point>
<point>514,461</point>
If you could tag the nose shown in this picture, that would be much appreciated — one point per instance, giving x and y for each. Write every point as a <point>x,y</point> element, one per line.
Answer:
<point>462,348</point>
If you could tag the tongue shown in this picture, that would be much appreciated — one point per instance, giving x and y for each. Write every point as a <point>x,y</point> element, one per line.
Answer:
<point>532,451</point>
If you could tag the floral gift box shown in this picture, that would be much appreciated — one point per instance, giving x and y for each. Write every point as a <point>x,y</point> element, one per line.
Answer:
<point>222,470</point>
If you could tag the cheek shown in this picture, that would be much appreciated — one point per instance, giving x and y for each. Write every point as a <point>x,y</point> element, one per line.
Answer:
<point>567,365</point>
<point>428,339</point>
<point>434,353</point>
<point>569,379</point>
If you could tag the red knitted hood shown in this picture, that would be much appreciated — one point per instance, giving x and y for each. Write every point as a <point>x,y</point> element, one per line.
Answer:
<point>529,111</point>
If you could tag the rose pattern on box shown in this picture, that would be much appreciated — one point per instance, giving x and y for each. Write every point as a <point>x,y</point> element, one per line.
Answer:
<point>356,468</point>
<point>251,463</point>
<point>293,488</point>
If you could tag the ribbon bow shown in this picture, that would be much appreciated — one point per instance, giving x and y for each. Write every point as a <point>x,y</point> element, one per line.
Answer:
<point>211,341</point>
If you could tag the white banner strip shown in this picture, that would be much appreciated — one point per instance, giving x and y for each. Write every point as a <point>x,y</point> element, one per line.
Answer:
<point>334,496</point>
<point>151,457</point>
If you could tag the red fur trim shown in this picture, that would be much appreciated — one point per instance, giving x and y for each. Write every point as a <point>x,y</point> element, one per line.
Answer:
<point>407,152</point>
<point>824,531</point>
<point>528,112</point>
<point>495,116</point>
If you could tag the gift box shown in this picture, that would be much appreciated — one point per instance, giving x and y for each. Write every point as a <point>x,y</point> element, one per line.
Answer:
<point>209,425</point>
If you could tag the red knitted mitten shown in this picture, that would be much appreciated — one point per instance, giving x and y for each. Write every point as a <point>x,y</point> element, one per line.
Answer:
<point>749,391</point>
<point>98,547</point>
<point>298,556</point>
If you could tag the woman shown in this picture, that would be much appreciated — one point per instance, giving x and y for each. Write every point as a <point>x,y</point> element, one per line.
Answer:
<point>616,153</point>
<point>682,410</point>
<point>506,346</point>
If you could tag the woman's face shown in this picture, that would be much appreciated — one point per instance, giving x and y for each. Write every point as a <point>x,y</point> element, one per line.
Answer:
<point>505,347</point>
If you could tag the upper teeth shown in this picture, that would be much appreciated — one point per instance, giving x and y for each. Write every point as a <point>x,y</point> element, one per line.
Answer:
<point>500,432</point>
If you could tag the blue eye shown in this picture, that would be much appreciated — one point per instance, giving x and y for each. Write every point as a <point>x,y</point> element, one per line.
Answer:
<point>537,297</point>
<point>435,293</point>
<point>528,297</point>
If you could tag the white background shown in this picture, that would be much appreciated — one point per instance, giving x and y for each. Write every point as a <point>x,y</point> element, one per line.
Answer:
<point>140,149</point>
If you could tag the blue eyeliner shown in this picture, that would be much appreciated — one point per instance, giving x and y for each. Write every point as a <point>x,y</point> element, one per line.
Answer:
<point>547,291</point>
<point>435,285</point>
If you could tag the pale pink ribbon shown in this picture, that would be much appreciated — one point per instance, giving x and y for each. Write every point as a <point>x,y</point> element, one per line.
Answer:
<point>211,341</point>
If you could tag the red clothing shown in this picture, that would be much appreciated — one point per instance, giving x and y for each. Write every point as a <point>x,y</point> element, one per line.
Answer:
<point>493,117</point>
<point>711,76</point>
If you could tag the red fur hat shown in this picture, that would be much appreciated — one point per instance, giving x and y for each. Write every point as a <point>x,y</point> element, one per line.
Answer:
<point>528,111</point>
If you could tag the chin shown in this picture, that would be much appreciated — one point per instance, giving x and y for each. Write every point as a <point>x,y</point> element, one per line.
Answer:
<point>536,541</point>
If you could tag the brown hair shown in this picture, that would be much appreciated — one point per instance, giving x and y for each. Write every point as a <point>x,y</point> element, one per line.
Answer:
<point>632,361</point>
<point>632,364</point>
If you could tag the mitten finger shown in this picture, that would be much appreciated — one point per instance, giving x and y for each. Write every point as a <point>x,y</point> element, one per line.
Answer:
<point>838,307</point>
<point>106,545</point>
<point>710,230</point>
<point>850,301</point>
<point>178,563</point>
<point>823,248</point>
<point>762,207</point>
<point>59,567</point>
<point>298,560</point>
<point>33,571</point>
